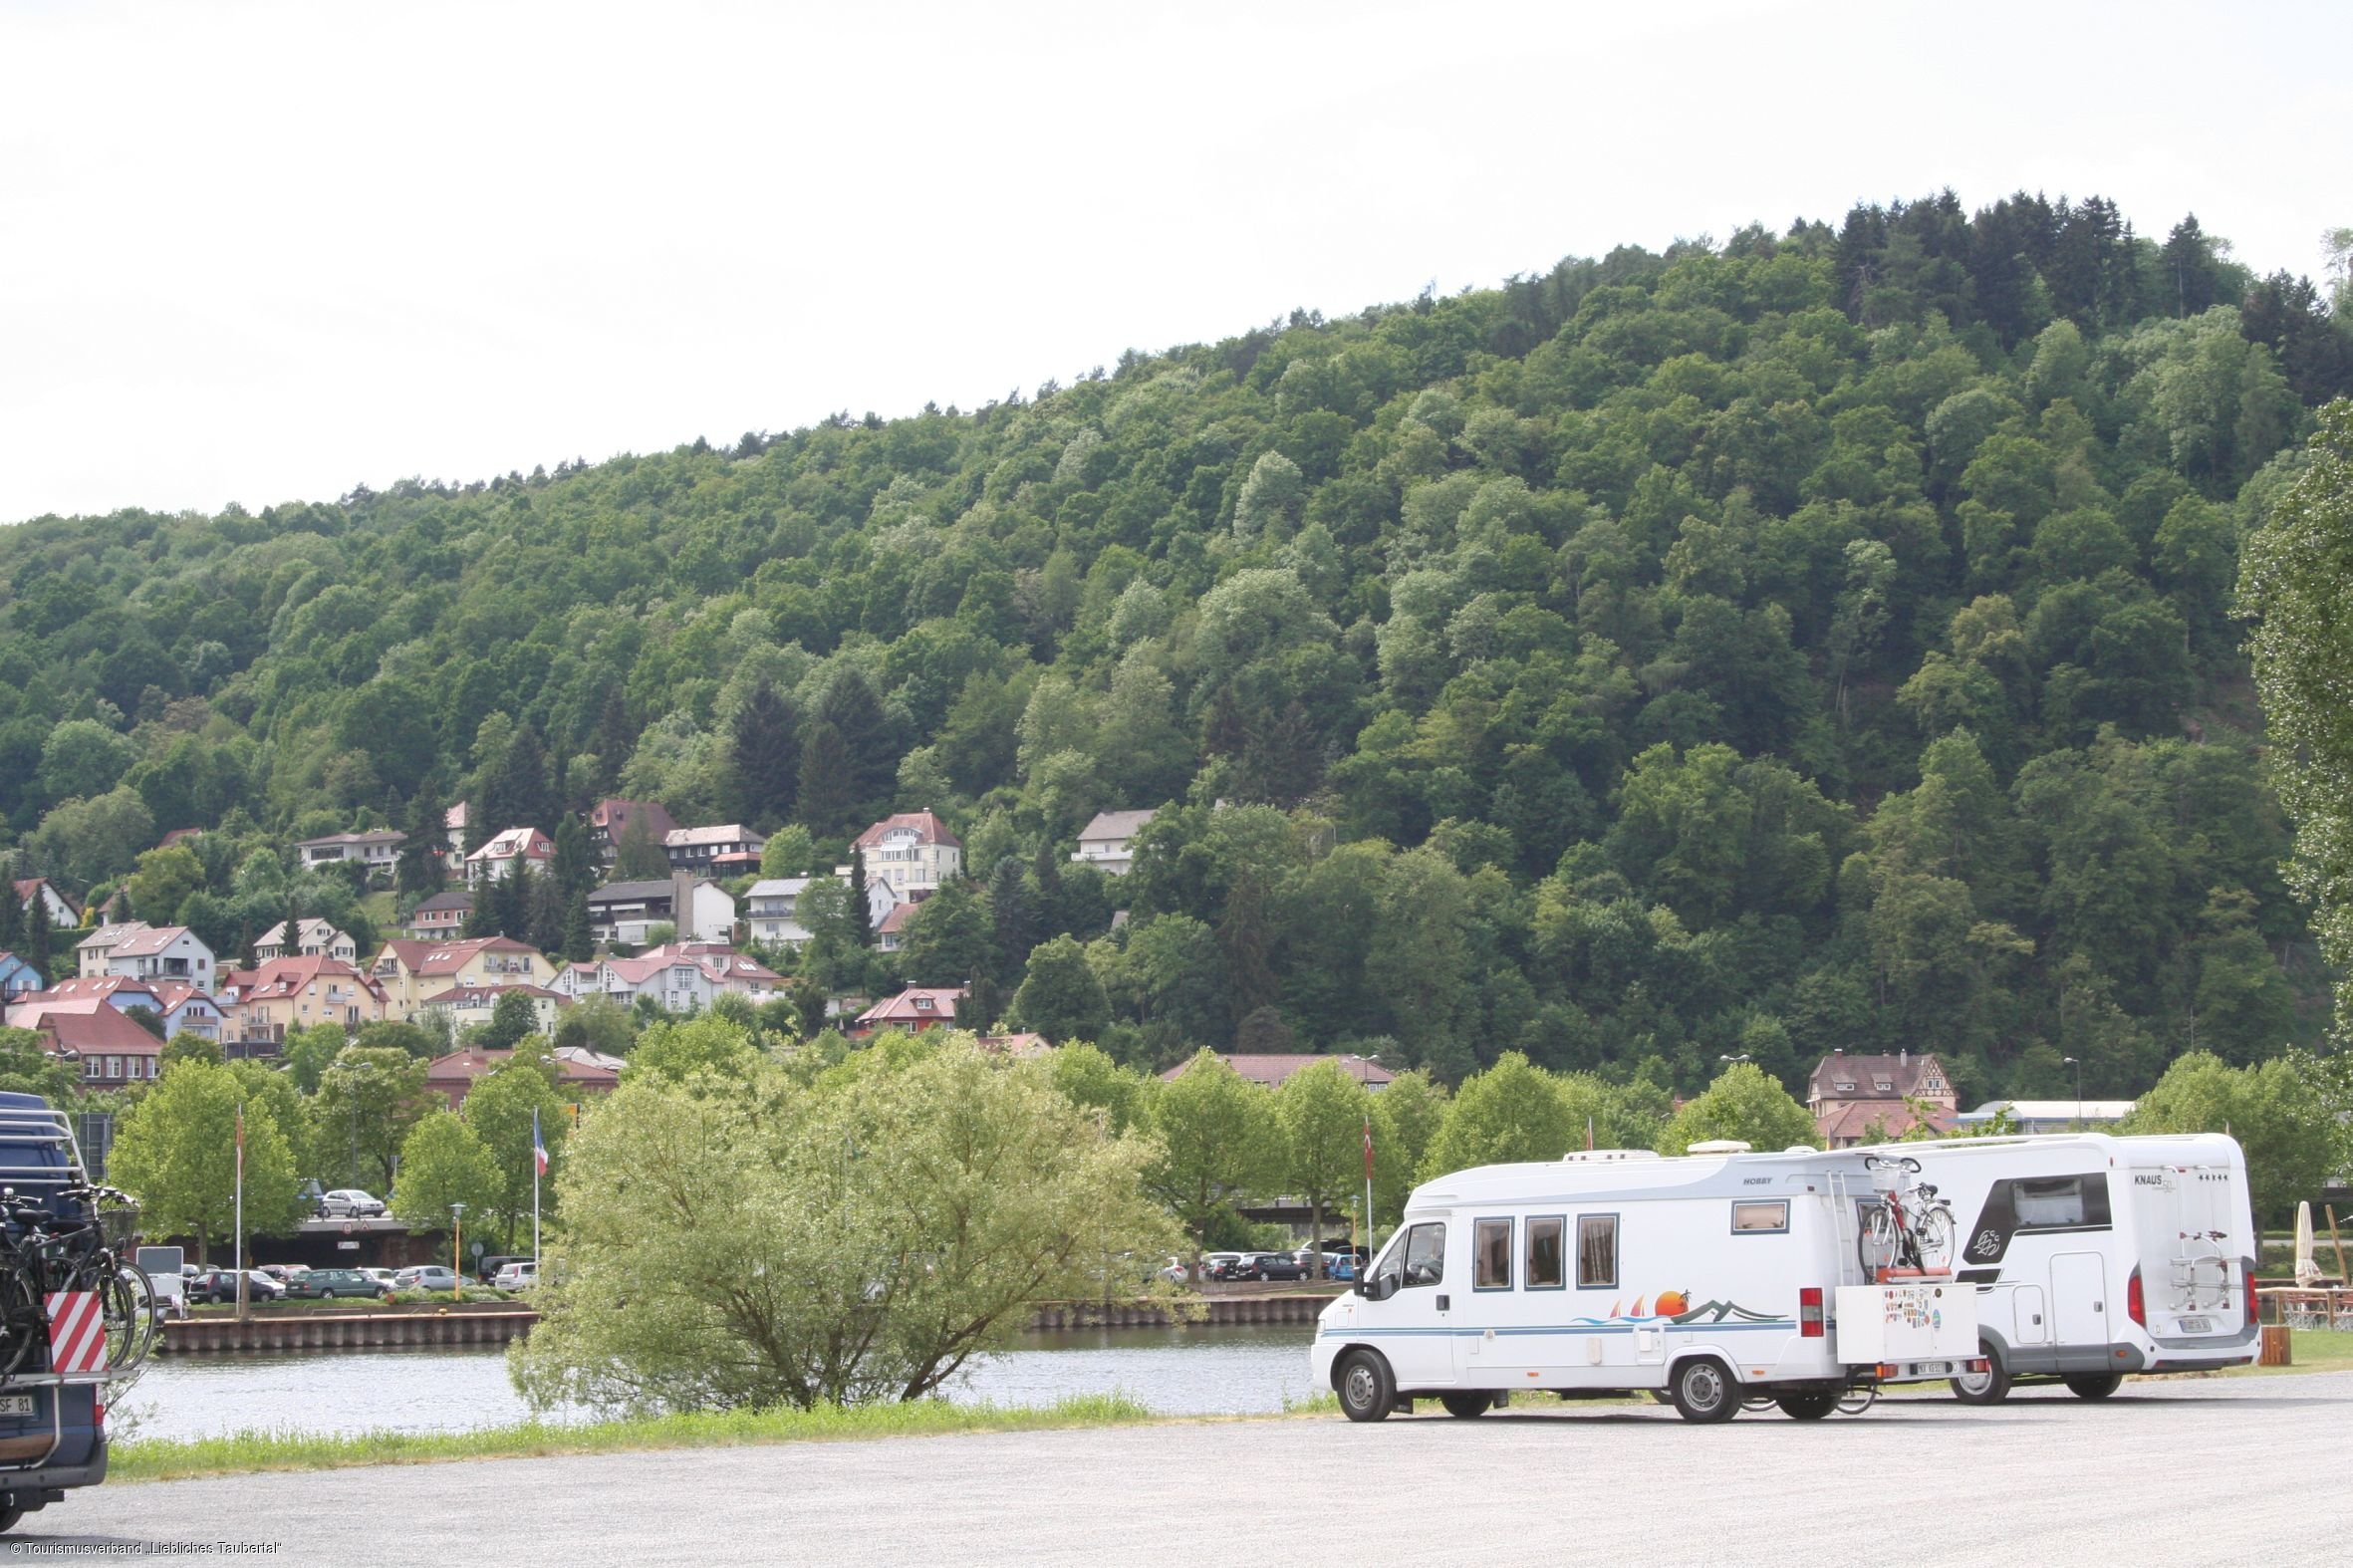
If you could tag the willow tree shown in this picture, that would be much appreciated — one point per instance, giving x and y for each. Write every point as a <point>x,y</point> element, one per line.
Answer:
<point>749,1241</point>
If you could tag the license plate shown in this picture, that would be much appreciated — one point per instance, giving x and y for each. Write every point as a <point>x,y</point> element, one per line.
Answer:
<point>1934,1369</point>
<point>2197,1325</point>
<point>16,1405</point>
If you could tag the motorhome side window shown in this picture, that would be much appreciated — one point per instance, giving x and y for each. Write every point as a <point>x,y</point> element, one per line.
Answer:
<point>1597,1251</point>
<point>1491,1254</point>
<point>1426,1254</point>
<point>1544,1253</point>
<point>1759,1218</point>
<point>2056,1202</point>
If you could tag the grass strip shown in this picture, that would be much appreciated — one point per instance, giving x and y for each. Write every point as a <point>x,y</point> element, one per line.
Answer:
<point>249,1452</point>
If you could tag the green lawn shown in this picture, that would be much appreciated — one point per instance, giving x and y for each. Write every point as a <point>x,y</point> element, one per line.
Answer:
<point>247,1452</point>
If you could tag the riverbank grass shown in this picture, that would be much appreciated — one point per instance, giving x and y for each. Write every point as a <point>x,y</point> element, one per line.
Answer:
<point>244,1452</point>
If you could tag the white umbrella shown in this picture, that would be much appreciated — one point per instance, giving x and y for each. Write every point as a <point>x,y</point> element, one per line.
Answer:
<point>2307,1268</point>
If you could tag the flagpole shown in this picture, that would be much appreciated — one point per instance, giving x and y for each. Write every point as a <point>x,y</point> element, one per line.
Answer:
<point>239,1240</point>
<point>538,1151</point>
<point>1360,1262</point>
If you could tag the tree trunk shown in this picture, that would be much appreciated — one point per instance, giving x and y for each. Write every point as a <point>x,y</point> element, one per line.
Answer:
<point>1315,1238</point>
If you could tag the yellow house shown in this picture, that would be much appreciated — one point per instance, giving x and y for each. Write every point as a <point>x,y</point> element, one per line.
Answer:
<point>260,1005</point>
<point>411,973</point>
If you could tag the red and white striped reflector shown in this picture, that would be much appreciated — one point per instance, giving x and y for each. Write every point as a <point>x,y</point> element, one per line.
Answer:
<point>76,1332</point>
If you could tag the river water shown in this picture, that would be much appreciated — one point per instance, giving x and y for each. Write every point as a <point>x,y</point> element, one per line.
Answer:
<point>1176,1372</point>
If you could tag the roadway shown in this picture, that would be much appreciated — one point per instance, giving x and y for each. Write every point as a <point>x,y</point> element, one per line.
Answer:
<point>2190,1472</point>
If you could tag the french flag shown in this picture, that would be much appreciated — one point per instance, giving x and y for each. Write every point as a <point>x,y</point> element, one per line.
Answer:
<point>538,1145</point>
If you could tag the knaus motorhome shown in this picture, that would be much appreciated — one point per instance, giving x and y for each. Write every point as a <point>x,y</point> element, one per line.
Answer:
<point>1716,1277</point>
<point>2095,1255</point>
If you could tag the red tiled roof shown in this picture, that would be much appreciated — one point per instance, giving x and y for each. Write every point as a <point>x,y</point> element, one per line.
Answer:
<point>1861,1075</point>
<point>283,977</point>
<point>147,940</point>
<point>466,994</point>
<point>916,1004</point>
<point>1892,1118</point>
<point>101,1031</point>
<point>928,830</point>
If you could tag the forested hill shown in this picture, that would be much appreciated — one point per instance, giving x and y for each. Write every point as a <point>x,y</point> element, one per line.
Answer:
<point>1817,640</point>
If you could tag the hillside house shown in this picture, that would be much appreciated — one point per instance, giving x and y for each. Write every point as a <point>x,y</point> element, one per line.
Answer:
<point>264,1002</point>
<point>64,913</point>
<point>579,1072</point>
<point>915,1009</point>
<point>139,951</point>
<point>677,976</point>
<point>319,940</point>
<point>624,912</point>
<point>524,847</point>
<point>727,849</point>
<point>378,848</point>
<point>772,908</point>
<point>110,1048</point>
<point>608,823</point>
<point>178,1005</point>
<point>912,854</point>
<point>439,917</point>
<point>410,971</point>
<point>1108,842</point>
<point>16,977</point>
<point>474,1004</point>
<point>1864,1099</point>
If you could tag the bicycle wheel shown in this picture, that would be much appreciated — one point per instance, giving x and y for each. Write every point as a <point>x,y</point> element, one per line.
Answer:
<point>127,1305</point>
<point>1874,1241</point>
<point>1933,1232</point>
<point>22,1324</point>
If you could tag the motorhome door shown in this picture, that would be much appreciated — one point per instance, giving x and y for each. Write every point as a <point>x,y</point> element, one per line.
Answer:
<point>2079,1298</point>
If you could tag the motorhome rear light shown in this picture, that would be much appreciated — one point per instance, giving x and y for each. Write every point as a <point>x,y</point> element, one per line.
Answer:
<point>2133,1305</point>
<point>1809,1312</point>
<point>2254,1306</point>
<point>1981,1365</point>
<point>1887,1371</point>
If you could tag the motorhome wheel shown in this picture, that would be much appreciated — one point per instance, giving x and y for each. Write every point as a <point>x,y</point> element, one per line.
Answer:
<point>1989,1386</point>
<point>1808,1405</point>
<point>1364,1387</point>
<point>2093,1385</point>
<point>1468,1405</point>
<point>1704,1391</point>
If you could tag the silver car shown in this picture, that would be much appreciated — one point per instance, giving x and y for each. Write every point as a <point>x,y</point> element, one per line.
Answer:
<point>350,1203</point>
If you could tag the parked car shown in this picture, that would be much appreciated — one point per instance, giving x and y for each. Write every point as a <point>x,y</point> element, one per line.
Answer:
<point>1340,1268</point>
<point>283,1273</point>
<point>1173,1271</point>
<point>382,1276</point>
<point>1279,1265</point>
<point>350,1203</point>
<point>487,1268</point>
<point>521,1274</point>
<point>313,1197</point>
<point>1222,1265</point>
<point>425,1276</point>
<point>219,1285</point>
<point>324,1284</point>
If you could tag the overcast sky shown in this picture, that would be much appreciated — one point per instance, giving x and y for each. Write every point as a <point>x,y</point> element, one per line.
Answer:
<point>266,252</point>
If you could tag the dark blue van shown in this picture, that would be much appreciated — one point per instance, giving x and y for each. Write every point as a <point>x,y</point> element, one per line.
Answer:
<point>51,1432</point>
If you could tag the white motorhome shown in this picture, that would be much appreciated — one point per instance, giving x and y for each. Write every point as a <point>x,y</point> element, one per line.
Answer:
<point>2096,1255</point>
<point>1717,1277</point>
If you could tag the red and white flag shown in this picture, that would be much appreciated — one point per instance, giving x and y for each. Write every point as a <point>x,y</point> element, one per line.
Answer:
<point>76,1332</point>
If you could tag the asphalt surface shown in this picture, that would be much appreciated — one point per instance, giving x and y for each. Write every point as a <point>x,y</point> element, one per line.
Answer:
<point>2197,1471</point>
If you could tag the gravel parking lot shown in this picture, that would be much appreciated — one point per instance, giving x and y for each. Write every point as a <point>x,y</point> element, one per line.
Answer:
<point>2180,1472</point>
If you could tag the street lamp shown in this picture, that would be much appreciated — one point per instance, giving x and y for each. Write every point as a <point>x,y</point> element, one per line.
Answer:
<point>456,1252</point>
<point>2077,1064</point>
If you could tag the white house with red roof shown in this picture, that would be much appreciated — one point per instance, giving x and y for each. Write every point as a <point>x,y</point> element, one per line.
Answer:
<point>378,848</point>
<point>319,939</point>
<point>1108,842</point>
<point>911,853</point>
<point>474,1004</point>
<point>678,976</point>
<point>499,857</point>
<point>915,1009</point>
<point>410,971</point>
<point>63,912</point>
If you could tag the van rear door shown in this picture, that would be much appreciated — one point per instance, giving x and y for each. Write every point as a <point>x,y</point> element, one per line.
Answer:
<point>2188,1223</point>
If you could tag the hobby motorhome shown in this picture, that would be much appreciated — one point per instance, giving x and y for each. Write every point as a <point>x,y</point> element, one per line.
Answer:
<point>1717,1277</point>
<point>2096,1255</point>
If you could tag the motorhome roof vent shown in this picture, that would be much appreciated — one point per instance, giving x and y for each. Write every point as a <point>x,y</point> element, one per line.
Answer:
<point>1605,1156</point>
<point>1719,1146</point>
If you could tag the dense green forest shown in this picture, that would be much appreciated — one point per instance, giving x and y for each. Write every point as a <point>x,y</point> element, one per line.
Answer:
<point>1810,640</point>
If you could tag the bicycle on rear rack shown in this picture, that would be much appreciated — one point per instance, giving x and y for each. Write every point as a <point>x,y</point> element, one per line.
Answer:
<point>43,1255</point>
<point>1908,1227</point>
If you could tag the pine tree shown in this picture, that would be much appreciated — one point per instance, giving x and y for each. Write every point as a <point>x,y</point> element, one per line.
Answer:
<point>868,749</point>
<point>766,757</point>
<point>572,869</point>
<point>419,874</point>
<point>12,914</point>
<point>1016,915</point>
<point>510,903</point>
<point>580,944</point>
<point>549,912</point>
<point>617,738</point>
<point>861,918</point>
<point>829,791</point>
<point>37,936</point>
